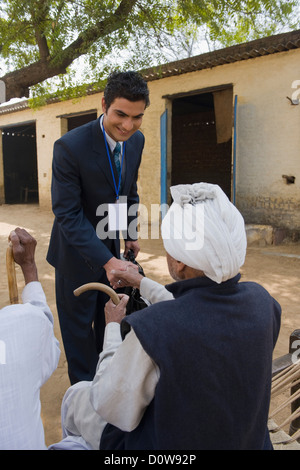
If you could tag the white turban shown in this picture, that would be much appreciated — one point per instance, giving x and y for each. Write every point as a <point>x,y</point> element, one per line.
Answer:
<point>205,231</point>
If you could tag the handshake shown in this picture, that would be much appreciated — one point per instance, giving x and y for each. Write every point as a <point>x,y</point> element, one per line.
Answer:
<point>123,273</point>
<point>128,277</point>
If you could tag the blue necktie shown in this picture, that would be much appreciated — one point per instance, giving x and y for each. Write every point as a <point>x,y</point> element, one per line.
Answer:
<point>117,153</point>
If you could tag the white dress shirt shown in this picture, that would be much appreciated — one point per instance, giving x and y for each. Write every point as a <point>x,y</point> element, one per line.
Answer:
<point>111,142</point>
<point>29,355</point>
<point>121,398</point>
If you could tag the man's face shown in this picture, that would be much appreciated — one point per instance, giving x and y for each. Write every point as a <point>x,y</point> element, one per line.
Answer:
<point>123,118</point>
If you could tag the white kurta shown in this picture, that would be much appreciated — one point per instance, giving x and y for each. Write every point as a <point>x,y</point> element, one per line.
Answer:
<point>82,425</point>
<point>29,355</point>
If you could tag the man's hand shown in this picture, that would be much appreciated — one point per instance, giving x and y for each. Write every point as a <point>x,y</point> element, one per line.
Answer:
<point>132,245</point>
<point>23,248</point>
<point>129,277</point>
<point>116,313</point>
<point>115,264</point>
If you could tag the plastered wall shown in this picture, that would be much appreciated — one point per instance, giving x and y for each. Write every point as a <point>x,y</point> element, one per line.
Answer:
<point>268,134</point>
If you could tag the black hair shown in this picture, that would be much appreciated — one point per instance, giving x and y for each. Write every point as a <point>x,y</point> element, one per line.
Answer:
<point>129,85</point>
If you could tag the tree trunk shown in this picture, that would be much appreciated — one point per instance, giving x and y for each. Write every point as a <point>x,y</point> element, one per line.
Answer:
<point>18,82</point>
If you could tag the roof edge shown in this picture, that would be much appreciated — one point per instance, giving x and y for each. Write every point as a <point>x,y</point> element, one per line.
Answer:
<point>249,50</point>
<point>257,48</point>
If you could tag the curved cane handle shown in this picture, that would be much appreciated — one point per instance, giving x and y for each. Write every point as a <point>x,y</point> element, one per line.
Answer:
<point>11,277</point>
<point>98,286</point>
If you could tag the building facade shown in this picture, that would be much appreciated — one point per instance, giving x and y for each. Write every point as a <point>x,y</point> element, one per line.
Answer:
<point>230,117</point>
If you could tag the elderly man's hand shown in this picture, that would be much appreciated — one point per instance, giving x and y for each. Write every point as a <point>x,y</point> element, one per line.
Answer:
<point>116,313</point>
<point>23,248</point>
<point>115,264</point>
<point>130,277</point>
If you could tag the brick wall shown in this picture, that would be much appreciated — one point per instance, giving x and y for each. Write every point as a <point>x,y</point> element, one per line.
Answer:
<point>270,210</point>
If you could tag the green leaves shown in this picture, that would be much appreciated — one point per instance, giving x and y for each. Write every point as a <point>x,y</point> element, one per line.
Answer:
<point>241,21</point>
<point>124,33</point>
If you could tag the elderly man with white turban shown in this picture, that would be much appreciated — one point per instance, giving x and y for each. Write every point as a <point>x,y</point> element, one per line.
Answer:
<point>192,372</point>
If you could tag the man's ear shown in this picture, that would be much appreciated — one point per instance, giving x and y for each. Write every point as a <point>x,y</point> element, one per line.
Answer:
<point>103,105</point>
<point>180,266</point>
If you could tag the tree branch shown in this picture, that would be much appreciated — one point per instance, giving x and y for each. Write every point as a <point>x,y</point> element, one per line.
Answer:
<point>103,28</point>
<point>18,82</point>
<point>39,16</point>
<point>42,45</point>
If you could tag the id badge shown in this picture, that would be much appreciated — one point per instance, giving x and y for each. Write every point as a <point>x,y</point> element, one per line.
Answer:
<point>117,216</point>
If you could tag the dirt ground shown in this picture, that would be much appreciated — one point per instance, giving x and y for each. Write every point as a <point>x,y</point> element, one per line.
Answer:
<point>277,268</point>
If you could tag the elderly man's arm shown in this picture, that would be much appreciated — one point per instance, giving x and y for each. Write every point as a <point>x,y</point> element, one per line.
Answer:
<point>34,299</point>
<point>126,387</point>
<point>87,406</point>
<point>23,248</point>
<point>150,290</point>
<point>78,415</point>
<point>121,391</point>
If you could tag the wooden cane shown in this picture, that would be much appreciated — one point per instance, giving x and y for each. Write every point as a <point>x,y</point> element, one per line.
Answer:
<point>98,286</point>
<point>11,276</point>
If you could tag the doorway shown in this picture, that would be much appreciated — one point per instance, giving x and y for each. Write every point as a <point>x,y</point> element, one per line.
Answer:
<point>20,164</point>
<point>80,119</point>
<point>202,138</point>
<point>68,122</point>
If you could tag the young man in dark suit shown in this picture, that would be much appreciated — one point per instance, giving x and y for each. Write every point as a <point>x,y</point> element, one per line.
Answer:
<point>86,186</point>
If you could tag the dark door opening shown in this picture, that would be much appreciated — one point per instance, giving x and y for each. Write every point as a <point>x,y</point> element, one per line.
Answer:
<point>196,154</point>
<point>20,164</point>
<point>79,120</point>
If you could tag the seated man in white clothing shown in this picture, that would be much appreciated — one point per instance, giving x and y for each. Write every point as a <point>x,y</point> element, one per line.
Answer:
<point>29,354</point>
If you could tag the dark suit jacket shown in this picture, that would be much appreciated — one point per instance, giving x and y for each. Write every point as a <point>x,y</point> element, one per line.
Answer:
<point>81,182</point>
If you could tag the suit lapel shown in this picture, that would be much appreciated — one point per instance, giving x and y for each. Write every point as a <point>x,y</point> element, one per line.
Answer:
<point>101,154</point>
<point>129,165</point>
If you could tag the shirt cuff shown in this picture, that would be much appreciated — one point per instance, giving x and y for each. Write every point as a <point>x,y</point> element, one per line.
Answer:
<point>112,336</point>
<point>111,342</point>
<point>153,291</point>
<point>33,292</point>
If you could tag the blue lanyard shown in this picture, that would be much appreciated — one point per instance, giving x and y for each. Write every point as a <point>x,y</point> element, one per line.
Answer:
<point>117,189</point>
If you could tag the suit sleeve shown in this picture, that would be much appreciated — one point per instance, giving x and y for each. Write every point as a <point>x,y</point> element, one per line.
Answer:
<point>67,208</point>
